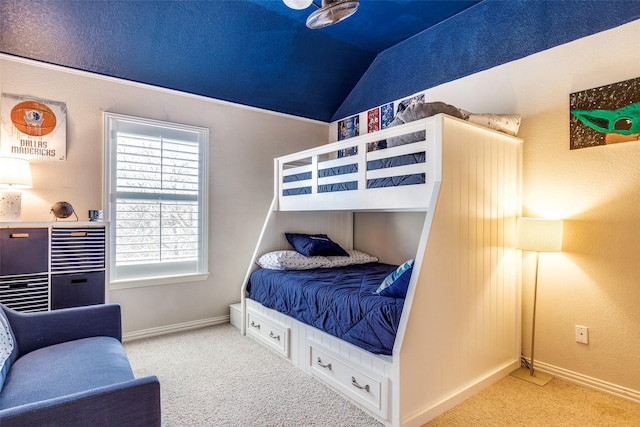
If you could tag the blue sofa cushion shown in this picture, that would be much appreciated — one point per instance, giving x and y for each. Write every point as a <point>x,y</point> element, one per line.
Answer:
<point>8,347</point>
<point>63,369</point>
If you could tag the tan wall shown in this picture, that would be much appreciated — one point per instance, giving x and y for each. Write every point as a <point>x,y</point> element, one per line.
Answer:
<point>594,281</point>
<point>243,143</point>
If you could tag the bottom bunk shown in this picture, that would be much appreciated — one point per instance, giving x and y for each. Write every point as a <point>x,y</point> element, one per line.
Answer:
<point>341,301</point>
<point>333,312</point>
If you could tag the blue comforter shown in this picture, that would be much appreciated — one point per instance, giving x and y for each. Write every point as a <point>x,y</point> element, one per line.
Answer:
<point>339,301</point>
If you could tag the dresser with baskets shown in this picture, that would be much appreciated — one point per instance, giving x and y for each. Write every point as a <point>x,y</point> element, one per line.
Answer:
<point>51,266</point>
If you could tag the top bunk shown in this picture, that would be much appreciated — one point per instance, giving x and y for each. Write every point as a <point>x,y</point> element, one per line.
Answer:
<point>395,169</point>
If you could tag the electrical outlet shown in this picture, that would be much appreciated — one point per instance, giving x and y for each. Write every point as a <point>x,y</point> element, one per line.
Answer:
<point>582,334</point>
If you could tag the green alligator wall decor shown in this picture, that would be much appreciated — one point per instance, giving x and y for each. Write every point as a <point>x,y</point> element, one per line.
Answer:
<point>625,121</point>
<point>605,115</point>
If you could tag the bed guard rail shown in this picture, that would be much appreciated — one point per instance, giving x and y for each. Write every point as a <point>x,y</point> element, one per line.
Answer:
<point>392,169</point>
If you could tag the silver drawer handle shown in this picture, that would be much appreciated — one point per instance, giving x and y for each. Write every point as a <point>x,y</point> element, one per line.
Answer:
<point>255,325</point>
<point>322,365</point>
<point>275,337</point>
<point>361,387</point>
<point>19,235</point>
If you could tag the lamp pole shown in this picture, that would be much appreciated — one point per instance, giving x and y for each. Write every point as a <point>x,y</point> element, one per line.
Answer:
<point>533,327</point>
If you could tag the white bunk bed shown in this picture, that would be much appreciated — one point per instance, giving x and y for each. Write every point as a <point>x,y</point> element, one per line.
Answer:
<point>460,325</point>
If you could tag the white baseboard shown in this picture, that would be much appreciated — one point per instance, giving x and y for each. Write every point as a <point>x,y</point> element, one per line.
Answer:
<point>162,330</point>
<point>586,381</point>
<point>438,408</point>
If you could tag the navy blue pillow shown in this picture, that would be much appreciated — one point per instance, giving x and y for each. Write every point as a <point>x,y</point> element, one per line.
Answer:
<point>315,245</point>
<point>396,283</point>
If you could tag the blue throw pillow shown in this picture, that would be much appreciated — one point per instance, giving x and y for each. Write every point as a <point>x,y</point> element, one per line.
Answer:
<point>315,245</point>
<point>8,347</point>
<point>396,284</point>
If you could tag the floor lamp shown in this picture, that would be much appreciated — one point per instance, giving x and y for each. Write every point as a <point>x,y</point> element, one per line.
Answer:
<point>537,235</point>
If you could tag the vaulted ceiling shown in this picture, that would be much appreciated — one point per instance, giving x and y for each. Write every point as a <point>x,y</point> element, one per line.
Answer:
<point>253,52</point>
<point>260,53</point>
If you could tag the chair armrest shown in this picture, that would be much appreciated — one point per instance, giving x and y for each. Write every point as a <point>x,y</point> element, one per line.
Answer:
<point>42,329</point>
<point>134,403</point>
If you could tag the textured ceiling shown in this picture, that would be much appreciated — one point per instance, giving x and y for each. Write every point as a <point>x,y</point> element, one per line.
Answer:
<point>253,52</point>
<point>260,53</point>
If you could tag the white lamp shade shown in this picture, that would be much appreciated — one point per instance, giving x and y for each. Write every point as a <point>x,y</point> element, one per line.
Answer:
<point>298,4</point>
<point>539,235</point>
<point>15,173</point>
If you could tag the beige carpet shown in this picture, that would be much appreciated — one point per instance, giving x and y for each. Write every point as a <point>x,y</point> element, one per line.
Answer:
<point>514,402</point>
<point>215,377</point>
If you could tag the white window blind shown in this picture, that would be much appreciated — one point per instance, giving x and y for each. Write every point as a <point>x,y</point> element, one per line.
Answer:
<point>157,199</point>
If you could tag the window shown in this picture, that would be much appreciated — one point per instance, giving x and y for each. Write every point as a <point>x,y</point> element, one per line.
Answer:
<point>156,189</point>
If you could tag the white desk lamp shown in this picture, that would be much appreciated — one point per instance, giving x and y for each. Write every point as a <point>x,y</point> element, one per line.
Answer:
<point>15,174</point>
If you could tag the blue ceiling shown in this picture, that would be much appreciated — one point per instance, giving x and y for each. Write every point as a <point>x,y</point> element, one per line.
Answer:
<point>260,53</point>
<point>252,52</point>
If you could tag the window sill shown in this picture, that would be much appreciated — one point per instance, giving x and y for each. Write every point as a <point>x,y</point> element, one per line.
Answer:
<point>156,281</point>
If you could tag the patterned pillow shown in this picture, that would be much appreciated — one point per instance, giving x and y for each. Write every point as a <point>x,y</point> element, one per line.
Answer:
<point>396,284</point>
<point>507,123</point>
<point>291,260</point>
<point>355,257</point>
<point>8,349</point>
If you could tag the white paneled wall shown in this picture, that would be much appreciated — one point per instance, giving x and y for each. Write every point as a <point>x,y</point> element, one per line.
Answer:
<point>462,324</point>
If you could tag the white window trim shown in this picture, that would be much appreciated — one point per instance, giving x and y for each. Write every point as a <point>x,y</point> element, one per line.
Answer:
<point>109,193</point>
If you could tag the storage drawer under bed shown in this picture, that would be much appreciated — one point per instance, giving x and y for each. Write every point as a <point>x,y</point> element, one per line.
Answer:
<point>269,332</point>
<point>367,388</point>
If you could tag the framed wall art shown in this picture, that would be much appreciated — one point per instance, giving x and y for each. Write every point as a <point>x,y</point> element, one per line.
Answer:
<point>605,115</point>
<point>33,129</point>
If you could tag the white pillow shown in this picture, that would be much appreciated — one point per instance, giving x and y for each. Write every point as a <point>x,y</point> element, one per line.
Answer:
<point>355,257</point>
<point>292,260</point>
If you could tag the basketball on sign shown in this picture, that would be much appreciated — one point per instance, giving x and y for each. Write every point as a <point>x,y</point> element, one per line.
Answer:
<point>33,118</point>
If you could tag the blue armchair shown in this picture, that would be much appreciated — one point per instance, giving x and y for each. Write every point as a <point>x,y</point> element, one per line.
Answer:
<point>68,368</point>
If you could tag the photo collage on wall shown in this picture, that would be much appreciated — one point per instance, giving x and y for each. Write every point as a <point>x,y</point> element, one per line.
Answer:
<point>377,118</point>
<point>387,115</point>
<point>348,128</point>
<point>605,115</point>
<point>373,125</point>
